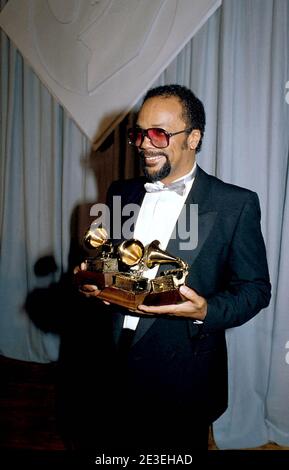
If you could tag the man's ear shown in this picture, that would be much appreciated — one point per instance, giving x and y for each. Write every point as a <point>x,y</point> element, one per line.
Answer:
<point>194,139</point>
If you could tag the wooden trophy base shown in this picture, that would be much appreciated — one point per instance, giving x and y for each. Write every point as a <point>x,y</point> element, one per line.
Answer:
<point>100,280</point>
<point>131,300</point>
<point>135,294</point>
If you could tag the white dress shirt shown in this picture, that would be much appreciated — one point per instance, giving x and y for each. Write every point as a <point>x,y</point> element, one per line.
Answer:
<point>156,220</point>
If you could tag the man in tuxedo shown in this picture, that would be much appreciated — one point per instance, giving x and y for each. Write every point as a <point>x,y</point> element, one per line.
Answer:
<point>171,382</point>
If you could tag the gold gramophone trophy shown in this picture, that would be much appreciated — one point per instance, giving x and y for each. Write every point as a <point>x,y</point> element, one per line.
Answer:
<point>103,264</point>
<point>119,272</point>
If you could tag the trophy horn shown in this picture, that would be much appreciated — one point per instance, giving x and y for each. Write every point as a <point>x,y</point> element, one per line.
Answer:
<point>131,252</point>
<point>95,236</point>
<point>155,255</point>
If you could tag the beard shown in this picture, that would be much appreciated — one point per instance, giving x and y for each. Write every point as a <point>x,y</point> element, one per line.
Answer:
<point>162,173</point>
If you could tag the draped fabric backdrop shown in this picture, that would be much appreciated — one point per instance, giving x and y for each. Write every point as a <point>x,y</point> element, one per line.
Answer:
<point>238,65</point>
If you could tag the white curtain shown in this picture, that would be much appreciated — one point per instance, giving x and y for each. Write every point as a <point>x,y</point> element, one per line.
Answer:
<point>42,180</point>
<point>238,65</point>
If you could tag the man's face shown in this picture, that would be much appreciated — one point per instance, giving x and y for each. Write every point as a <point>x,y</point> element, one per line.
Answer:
<point>166,164</point>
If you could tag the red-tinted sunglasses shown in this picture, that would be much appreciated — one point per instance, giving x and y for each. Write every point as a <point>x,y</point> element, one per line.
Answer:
<point>157,136</point>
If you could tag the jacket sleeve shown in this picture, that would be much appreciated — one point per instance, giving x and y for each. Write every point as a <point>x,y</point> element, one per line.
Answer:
<point>248,288</point>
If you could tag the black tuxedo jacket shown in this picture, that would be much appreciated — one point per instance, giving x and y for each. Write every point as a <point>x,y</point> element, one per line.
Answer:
<point>178,363</point>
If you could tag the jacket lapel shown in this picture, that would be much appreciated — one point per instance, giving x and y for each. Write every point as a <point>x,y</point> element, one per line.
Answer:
<point>200,195</point>
<point>198,219</point>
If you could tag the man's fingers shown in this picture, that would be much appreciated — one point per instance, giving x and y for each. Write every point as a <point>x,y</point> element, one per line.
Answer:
<point>188,293</point>
<point>82,267</point>
<point>89,288</point>
<point>167,309</point>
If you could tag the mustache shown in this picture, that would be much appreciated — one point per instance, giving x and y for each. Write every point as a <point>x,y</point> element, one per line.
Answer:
<point>149,153</point>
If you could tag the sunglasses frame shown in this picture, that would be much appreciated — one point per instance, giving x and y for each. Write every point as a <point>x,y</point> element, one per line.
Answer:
<point>144,133</point>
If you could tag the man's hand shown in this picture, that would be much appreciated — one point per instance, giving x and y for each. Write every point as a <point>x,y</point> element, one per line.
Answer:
<point>88,290</point>
<point>194,306</point>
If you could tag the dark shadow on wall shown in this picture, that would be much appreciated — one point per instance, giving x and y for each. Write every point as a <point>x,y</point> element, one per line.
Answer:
<point>114,159</point>
<point>84,325</point>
